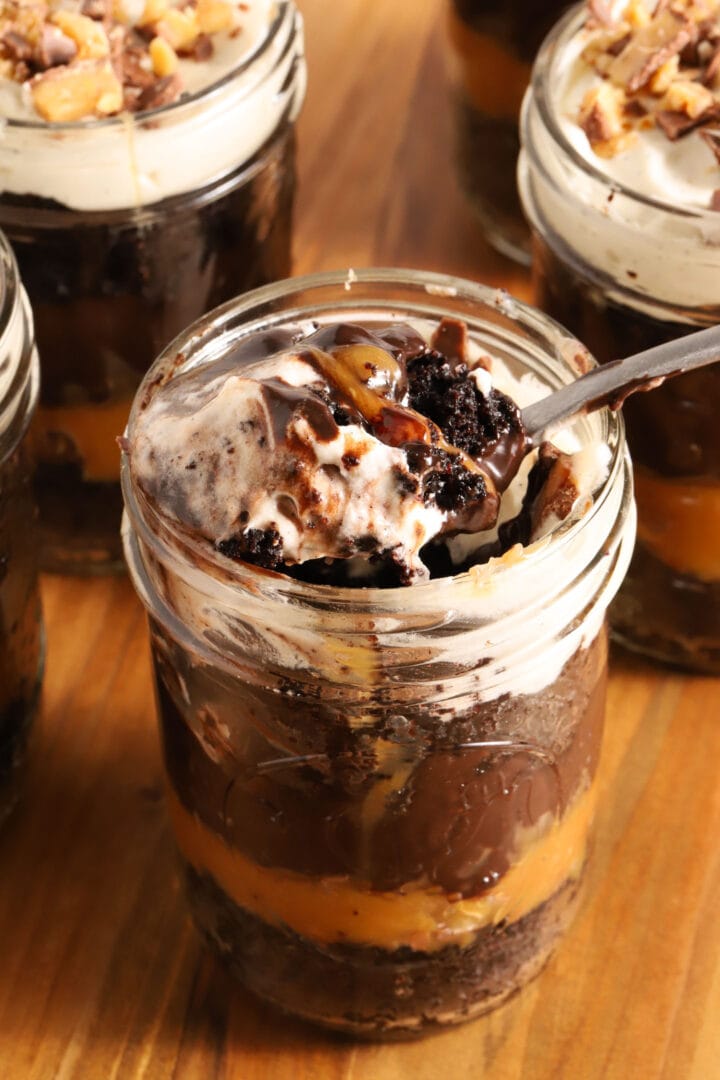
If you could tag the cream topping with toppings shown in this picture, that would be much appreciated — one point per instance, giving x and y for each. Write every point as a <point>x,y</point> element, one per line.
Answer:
<point>229,73</point>
<point>68,60</point>
<point>640,90</point>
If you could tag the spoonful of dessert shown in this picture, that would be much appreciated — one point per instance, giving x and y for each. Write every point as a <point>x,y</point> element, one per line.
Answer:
<point>610,384</point>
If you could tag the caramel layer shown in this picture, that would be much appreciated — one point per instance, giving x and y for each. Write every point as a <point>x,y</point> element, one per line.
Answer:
<point>333,910</point>
<point>679,522</point>
<point>88,430</point>
<point>492,78</point>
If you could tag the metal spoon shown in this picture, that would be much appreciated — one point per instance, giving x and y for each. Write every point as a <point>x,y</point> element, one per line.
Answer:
<point>610,384</point>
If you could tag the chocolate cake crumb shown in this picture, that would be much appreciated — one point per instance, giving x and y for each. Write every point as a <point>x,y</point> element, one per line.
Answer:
<point>261,547</point>
<point>450,397</point>
<point>450,486</point>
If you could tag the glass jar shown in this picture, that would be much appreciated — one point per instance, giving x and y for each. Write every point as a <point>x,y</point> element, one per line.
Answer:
<point>21,636</point>
<point>624,272</point>
<point>493,46</point>
<point>142,223</point>
<point>382,797</point>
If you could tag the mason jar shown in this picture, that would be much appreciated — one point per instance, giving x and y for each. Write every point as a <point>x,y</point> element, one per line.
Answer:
<point>21,634</point>
<point>126,229</point>
<point>382,796</point>
<point>492,50</point>
<point>625,272</point>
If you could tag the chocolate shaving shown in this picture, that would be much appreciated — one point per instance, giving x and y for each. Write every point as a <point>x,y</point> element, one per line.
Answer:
<point>99,10</point>
<point>677,124</point>
<point>54,48</point>
<point>201,49</point>
<point>634,109</point>
<point>17,45</point>
<point>163,92</point>
<point>651,47</point>
<point>617,46</point>
<point>715,199</point>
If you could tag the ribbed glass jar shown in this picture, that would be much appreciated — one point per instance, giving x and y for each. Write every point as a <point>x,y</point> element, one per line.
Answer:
<point>625,272</point>
<point>126,229</point>
<point>382,797</point>
<point>21,633</point>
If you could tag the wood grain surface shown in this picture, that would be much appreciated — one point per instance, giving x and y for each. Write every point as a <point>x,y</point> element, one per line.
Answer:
<point>101,974</point>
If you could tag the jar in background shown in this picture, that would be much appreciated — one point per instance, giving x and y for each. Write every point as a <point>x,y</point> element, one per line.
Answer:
<point>625,272</point>
<point>493,47</point>
<point>382,797</point>
<point>21,635</point>
<point>141,223</point>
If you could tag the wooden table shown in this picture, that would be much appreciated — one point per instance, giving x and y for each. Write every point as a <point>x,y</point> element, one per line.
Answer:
<point>101,974</point>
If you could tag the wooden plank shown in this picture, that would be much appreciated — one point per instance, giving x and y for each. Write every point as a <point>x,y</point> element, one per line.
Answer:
<point>101,974</point>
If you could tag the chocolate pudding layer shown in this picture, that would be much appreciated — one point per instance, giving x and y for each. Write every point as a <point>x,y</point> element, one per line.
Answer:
<point>119,285</point>
<point>669,605</point>
<point>393,866</point>
<point>20,622</point>
<point>494,46</point>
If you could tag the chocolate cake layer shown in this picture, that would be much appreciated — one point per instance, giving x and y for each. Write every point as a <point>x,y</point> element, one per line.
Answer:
<point>376,992</point>
<point>109,290</point>
<point>445,809</point>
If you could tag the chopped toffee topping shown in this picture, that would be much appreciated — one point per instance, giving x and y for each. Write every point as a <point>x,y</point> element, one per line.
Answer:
<point>95,58</point>
<point>660,66</point>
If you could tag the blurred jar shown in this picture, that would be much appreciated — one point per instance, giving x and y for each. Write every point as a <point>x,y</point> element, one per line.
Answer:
<point>21,635</point>
<point>493,46</point>
<point>125,230</point>
<point>625,271</point>
<point>382,797</point>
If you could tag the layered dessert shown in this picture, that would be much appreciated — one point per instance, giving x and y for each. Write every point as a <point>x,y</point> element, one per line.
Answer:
<point>20,621</point>
<point>147,173</point>
<point>381,769</point>
<point>493,49</point>
<point>21,635</point>
<point>621,178</point>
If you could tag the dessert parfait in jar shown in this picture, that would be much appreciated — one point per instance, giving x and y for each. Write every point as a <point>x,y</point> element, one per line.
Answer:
<point>378,633</point>
<point>147,174</point>
<point>21,637</point>
<point>493,47</point>
<point>620,177</point>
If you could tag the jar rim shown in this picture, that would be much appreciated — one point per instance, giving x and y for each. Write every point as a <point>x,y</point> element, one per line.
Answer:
<point>177,108</point>
<point>225,574</point>
<point>538,95</point>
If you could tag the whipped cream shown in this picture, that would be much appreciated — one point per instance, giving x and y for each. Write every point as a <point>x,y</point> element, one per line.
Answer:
<point>639,215</point>
<point>233,102</point>
<point>249,452</point>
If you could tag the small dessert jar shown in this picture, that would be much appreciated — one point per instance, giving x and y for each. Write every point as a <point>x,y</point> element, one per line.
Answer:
<point>382,797</point>
<point>625,272</point>
<point>126,229</point>
<point>492,50</point>
<point>21,634</point>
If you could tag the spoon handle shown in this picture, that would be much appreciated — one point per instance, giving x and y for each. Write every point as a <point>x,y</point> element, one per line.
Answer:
<point>611,383</point>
